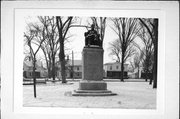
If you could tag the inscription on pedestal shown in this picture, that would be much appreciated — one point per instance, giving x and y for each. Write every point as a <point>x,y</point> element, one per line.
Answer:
<point>92,64</point>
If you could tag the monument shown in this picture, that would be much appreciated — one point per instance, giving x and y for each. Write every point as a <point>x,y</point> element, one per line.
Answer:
<point>92,83</point>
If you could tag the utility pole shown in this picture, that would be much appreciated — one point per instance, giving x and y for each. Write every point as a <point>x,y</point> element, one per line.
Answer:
<point>72,65</point>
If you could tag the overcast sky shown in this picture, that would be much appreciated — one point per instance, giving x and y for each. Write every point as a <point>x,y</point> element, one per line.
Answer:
<point>77,41</point>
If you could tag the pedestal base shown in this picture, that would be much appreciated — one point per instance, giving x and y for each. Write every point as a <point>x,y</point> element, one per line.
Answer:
<point>92,85</point>
<point>92,88</point>
<point>92,93</point>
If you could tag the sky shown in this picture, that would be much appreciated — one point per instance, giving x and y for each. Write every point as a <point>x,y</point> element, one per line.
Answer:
<point>77,41</point>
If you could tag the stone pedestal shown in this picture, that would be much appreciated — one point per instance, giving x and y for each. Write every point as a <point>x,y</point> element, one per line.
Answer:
<point>92,63</point>
<point>92,83</point>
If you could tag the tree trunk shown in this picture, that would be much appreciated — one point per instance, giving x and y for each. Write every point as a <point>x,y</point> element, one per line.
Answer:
<point>150,79</point>
<point>138,72</point>
<point>146,75</point>
<point>62,62</point>
<point>34,77</point>
<point>53,68</point>
<point>122,67</point>
<point>150,82</point>
<point>49,71</point>
<point>155,53</point>
<point>50,66</point>
<point>47,63</point>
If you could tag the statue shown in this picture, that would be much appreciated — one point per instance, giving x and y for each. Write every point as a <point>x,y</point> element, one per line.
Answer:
<point>92,37</point>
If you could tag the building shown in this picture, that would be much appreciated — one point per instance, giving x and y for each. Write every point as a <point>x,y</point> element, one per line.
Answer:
<point>113,70</point>
<point>40,71</point>
<point>73,69</point>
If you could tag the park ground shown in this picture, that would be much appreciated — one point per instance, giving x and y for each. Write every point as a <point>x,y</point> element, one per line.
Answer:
<point>131,94</point>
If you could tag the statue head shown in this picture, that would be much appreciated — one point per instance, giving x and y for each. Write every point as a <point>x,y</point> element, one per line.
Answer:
<point>92,27</point>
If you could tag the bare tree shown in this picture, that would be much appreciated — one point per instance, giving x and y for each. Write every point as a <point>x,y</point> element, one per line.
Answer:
<point>52,40</point>
<point>115,48</point>
<point>63,25</point>
<point>33,35</point>
<point>47,55</point>
<point>147,63</point>
<point>148,53</point>
<point>126,30</point>
<point>151,26</point>
<point>137,61</point>
<point>45,46</point>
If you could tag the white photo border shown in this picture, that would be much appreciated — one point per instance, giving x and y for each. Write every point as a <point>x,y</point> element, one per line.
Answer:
<point>15,107</point>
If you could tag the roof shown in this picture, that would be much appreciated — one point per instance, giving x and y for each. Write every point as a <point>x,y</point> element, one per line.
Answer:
<point>79,63</point>
<point>111,63</point>
<point>28,64</point>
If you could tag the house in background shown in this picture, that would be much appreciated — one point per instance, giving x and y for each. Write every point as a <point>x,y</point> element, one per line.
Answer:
<point>73,69</point>
<point>113,70</point>
<point>40,71</point>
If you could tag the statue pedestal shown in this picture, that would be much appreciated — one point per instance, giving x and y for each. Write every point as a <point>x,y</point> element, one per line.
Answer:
<point>92,83</point>
<point>92,64</point>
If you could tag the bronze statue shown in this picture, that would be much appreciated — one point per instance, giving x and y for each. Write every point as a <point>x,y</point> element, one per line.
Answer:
<point>92,37</point>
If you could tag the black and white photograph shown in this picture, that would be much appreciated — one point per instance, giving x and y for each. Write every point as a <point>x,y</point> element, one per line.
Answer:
<point>90,62</point>
<point>94,59</point>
